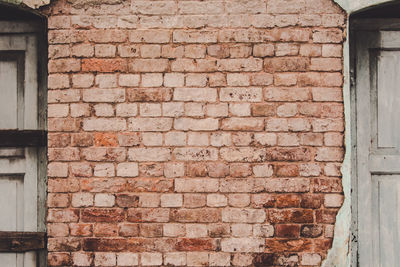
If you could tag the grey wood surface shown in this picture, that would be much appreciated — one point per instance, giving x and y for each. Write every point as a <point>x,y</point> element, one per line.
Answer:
<point>378,147</point>
<point>19,167</point>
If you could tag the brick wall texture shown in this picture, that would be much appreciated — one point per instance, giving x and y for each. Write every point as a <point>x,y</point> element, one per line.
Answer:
<point>194,133</point>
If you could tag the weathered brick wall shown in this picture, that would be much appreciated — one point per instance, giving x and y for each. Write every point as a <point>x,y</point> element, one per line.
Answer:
<point>198,133</point>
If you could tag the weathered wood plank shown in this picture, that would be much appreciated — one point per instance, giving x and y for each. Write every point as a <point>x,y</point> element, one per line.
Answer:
<point>22,241</point>
<point>19,27</point>
<point>9,98</point>
<point>375,24</point>
<point>25,138</point>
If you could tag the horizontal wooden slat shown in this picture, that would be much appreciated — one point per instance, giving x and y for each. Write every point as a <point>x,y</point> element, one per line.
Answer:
<point>375,24</point>
<point>25,138</point>
<point>12,166</point>
<point>19,26</point>
<point>383,164</point>
<point>22,241</point>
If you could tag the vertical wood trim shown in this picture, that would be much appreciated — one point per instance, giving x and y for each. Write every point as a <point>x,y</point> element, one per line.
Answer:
<point>364,40</point>
<point>31,114</point>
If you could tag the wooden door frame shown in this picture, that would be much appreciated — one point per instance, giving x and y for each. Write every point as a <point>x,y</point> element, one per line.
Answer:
<point>28,241</point>
<point>356,25</point>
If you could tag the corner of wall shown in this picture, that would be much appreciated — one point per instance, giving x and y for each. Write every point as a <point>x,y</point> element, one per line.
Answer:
<point>340,253</point>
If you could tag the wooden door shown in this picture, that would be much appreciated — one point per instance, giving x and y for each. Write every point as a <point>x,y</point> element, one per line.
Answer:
<point>19,164</point>
<point>377,94</point>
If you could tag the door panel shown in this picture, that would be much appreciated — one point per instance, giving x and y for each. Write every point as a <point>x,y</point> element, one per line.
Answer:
<point>378,147</point>
<point>8,91</point>
<point>388,99</point>
<point>18,166</point>
<point>12,193</point>
<point>387,196</point>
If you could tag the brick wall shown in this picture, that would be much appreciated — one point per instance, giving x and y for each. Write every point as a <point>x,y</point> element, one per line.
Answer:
<point>194,133</point>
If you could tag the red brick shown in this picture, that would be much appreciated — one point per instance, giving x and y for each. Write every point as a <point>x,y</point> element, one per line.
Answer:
<point>196,170</point>
<point>127,200</point>
<point>129,229</point>
<point>150,185</point>
<point>286,170</point>
<point>287,230</point>
<point>289,154</point>
<point>288,201</point>
<point>105,139</point>
<point>313,201</point>
<point>58,139</point>
<point>326,215</point>
<point>151,230</point>
<point>149,95</point>
<point>102,215</point>
<point>104,65</point>
<point>291,216</point>
<point>311,230</point>
<point>204,215</point>
<point>105,229</point>
<point>81,229</point>
<point>59,259</point>
<point>81,139</point>
<point>148,215</point>
<point>286,64</point>
<point>63,244</point>
<point>102,244</point>
<point>288,245</point>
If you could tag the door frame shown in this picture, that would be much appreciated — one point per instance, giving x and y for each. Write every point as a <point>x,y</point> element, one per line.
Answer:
<point>38,138</point>
<point>356,25</point>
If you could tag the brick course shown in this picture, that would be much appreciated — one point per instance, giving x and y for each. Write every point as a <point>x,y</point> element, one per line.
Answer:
<point>194,133</point>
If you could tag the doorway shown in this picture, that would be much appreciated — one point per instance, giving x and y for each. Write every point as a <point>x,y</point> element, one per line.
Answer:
<point>23,138</point>
<point>375,68</point>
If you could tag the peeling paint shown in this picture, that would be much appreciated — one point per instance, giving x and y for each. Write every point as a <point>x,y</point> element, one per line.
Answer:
<point>340,255</point>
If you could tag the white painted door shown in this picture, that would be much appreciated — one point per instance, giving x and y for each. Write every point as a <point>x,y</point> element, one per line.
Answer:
<point>19,164</point>
<point>377,95</point>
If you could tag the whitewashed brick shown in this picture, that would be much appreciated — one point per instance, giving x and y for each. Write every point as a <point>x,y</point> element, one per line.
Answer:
<point>129,79</point>
<point>151,259</point>
<point>126,110</point>
<point>127,259</point>
<point>171,200</point>
<point>104,200</point>
<point>173,109</point>
<point>195,94</point>
<point>127,169</point>
<point>186,124</point>
<point>174,79</point>
<point>82,200</point>
<point>175,139</point>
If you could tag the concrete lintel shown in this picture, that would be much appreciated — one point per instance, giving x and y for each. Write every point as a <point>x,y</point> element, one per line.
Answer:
<point>355,5</point>
<point>35,4</point>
